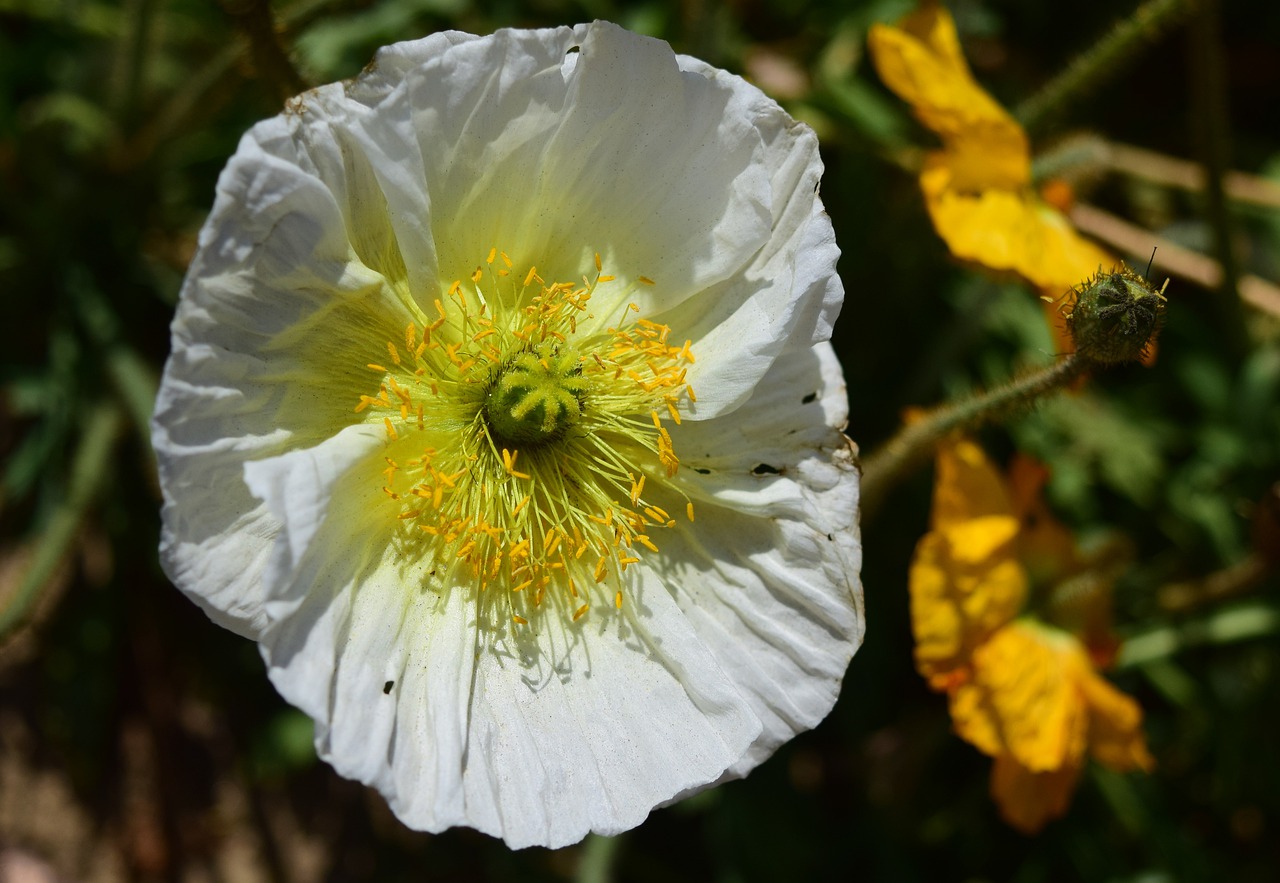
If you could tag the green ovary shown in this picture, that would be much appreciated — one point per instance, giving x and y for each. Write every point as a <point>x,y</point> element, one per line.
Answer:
<point>536,397</point>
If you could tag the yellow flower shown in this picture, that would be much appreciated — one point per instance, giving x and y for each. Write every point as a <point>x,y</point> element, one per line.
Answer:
<point>965,578</point>
<point>977,188</point>
<point>1024,693</point>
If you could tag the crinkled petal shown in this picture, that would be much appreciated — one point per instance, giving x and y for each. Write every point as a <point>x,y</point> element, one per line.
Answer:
<point>276,321</point>
<point>553,145</point>
<point>537,740</point>
<point>965,583</point>
<point>1023,699</point>
<point>768,572</point>
<point>788,295</point>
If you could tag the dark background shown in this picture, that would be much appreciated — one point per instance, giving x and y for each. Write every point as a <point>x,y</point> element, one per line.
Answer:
<point>139,741</point>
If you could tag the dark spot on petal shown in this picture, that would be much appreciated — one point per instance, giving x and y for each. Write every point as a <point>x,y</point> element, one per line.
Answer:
<point>572,49</point>
<point>766,469</point>
<point>831,537</point>
<point>386,688</point>
<point>701,471</point>
<point>811,397</point>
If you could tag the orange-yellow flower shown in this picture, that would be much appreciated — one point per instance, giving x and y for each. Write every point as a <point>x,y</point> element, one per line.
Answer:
<point>977,187</point>
<point>1023,692</point>
<point>965,578</point>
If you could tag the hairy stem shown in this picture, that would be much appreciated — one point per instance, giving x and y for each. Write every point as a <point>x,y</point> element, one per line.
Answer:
<point>915,442</point>
<point>1148,22</point>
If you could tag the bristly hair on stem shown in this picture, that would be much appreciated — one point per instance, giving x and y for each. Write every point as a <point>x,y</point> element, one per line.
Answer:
<point>1112,317</point>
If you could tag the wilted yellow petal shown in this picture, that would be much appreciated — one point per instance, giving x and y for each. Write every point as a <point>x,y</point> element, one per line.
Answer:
<point>1115,727</point>
<point>965,583</point>
<point>1023,699</point>
<point>1028,800</point>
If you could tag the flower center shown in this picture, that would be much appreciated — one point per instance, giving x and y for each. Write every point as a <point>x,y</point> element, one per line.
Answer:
<point>527,455</point>
<point>535,397</point>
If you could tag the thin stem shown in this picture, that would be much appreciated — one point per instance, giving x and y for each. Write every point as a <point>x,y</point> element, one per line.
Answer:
<point>195,89</point>
<point>133,376</point>
<point>1148,22</point>
<point>89,471</point>
<point>1236,579</point>
<point>1209,111</point>
<point>1138,162</point>
<point>272,63</point>
<point>596,860</point>
<point>131,58</point>
<point>914,443</point>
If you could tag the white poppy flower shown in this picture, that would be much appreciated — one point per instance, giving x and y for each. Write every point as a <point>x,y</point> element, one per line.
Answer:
<point>429,431</point>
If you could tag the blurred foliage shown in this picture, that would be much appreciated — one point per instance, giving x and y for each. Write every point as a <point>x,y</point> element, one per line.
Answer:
<point>158,749</point>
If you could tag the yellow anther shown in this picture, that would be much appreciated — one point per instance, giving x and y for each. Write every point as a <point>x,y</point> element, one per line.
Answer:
<point>391,430</point>
<point>578,614</point>
<point>617,600</point>
<point>374,367</point>
<point>688,510</point>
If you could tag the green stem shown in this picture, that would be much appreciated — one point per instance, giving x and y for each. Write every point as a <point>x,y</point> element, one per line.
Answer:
<point>133,376</point>
<point>914,443</point>
<point>595,861</point>
<point>1088,70</point>
<point>1209,110</point>
<point>131,59</point>
<point>270,60</point>
<point>89,471</point>
<point>196,89</point>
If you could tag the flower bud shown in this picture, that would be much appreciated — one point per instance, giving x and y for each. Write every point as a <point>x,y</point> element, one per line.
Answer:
<point>1114,316</point>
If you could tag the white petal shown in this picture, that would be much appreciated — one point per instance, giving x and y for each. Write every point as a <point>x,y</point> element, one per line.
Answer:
<point>587,726</point>
<point>553,156</point>
<point>768,573</point>
<point>277,321</point>
<point>789,295</point>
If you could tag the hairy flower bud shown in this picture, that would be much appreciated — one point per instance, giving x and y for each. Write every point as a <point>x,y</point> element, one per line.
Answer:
<point>1114,316</point>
